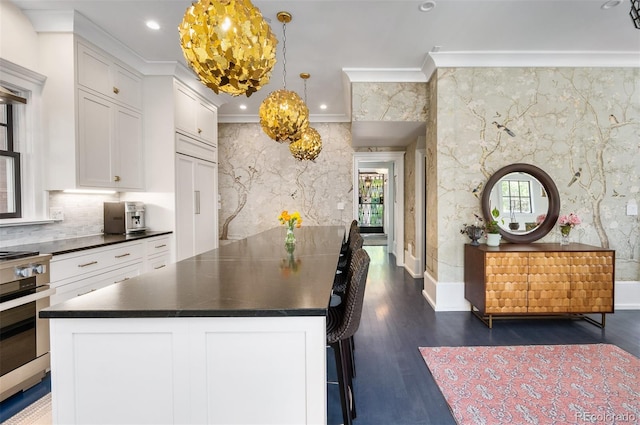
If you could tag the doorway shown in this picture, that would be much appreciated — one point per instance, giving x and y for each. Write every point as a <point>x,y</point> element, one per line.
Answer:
<point>378,198</point>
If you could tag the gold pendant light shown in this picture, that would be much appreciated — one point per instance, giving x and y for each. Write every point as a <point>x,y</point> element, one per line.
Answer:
<point>283,114</point>
<point>309,145</point>
<point>229,45</point>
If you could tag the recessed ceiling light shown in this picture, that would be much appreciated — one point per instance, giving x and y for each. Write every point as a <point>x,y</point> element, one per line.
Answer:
<point>153,25</point>
<point>323,106</point>
<point>610,4</point>
<point>427,6</point>
<point>243,107</point>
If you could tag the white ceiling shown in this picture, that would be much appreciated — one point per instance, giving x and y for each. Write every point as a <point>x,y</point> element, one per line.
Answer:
<point>388,37</point>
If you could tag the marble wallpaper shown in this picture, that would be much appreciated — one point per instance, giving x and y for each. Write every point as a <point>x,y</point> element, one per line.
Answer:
<point>258,178</point>
<point>431,170</point>
<point>389,102</point>
<point>410,197</point>
<point>582,122</point>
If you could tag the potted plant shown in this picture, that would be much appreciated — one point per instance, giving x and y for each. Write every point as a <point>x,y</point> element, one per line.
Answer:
<point>474,231</point>
<point>493,229</point>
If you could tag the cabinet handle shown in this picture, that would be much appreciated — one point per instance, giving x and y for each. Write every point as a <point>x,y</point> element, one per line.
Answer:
<point>122,255</point>
<point>199,130</point>
<point>84,293</point>
<point>161,246</point>
<point>197,199</point>
<point>159,267</point>
<point>122,280</point>
<point>88,264</point>
<point>116,90</point>
<point>116,179</point>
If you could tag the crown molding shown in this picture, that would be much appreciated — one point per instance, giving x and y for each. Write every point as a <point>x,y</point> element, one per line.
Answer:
<point>535,59</point>
<point>385,75</point>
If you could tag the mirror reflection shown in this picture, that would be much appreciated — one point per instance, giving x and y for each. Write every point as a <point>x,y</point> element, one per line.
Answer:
<point>522,203</point>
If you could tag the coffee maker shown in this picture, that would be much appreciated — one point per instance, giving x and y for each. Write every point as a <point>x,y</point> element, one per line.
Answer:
<point>124,217</point>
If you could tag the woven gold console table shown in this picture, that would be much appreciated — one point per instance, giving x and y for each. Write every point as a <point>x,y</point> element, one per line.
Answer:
<point>539,279</point>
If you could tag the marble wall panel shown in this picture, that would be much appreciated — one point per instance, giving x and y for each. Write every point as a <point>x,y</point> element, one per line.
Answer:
<point>410,196</point>
<point>83,216</point>
<point>389,102</point>
<point>258,178</point>
<point>565,121</point>
<point>431,170</point>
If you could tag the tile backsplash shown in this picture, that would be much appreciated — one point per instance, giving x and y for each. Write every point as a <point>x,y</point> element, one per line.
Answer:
<point>83,216</point>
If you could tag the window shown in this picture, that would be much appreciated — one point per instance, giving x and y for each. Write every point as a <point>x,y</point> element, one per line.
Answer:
<point>10,200</point>
<point>516,197</point>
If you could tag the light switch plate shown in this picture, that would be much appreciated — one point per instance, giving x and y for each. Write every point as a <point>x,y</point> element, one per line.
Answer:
<point>632,208</point>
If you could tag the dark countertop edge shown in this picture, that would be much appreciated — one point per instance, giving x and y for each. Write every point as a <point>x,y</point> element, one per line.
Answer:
<point>53,251</point>
<point>173,314</point>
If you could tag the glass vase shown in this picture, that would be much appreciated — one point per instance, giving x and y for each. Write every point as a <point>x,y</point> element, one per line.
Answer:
<point>565,231</point>
<point>290,239</point>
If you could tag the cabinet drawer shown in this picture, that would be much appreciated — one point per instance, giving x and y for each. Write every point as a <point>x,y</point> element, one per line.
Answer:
<point>77,264</point>
<point>93,283</point>
<point>157,262</point>
<point>157,246</point>
<point>195,148</point>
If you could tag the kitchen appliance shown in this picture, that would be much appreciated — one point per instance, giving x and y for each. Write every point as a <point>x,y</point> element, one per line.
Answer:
<point>24,337</point>
<point>123,217</point>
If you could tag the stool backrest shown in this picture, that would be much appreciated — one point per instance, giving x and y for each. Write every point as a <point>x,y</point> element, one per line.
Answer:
<point>352,305</point>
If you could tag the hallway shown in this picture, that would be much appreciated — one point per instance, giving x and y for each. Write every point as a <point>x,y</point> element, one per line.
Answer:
<point>393,385</point>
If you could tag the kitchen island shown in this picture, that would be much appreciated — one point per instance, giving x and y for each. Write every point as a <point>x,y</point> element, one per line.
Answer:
<point>232,336</point>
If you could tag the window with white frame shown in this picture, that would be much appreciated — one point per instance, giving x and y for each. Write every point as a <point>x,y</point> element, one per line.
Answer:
<point>10,190</point>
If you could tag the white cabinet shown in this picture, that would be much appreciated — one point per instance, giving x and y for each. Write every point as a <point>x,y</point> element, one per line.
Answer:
<point>196,206</point>
<point>103,75</point>
<point>78,273</point>
<point>92,117</point>
<point>157,253</point>
<point>110,150</point>
<point>194,116</point>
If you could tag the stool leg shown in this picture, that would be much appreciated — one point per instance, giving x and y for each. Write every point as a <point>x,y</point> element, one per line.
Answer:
<point>342,382</point>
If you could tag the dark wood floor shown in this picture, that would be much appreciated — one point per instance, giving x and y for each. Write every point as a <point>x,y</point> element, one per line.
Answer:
<point>393,384</point>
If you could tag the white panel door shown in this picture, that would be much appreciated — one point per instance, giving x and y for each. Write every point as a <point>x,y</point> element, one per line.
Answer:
<point>185,207</point>
<point>128,150</point>
<point>206,214</point>
<point>95,135</point>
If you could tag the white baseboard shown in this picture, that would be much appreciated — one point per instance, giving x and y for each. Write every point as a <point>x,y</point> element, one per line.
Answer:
<point>412,265</point>
<point>627,295</point>
<point>444,296</point>
<point>449,296</point>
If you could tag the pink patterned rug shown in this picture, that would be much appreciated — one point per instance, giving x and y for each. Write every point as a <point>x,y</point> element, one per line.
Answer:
<point>538,384</point>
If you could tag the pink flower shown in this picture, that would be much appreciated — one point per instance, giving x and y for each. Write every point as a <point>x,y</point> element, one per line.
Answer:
<point>540,218</point>
<point>569,220</point>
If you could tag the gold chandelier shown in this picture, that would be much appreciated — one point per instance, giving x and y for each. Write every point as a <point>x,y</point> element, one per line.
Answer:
<point>283,114</point>
<point>229,45</point>
<point>309,145</point>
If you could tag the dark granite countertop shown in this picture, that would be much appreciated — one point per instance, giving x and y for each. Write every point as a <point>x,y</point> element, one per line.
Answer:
<point>65,246</point>
<point>252,277</point>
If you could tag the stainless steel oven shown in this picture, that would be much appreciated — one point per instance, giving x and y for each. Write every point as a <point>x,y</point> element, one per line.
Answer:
<point>24,337</point>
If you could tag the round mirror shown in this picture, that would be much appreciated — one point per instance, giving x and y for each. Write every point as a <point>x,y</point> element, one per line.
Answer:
<point>524,201</point>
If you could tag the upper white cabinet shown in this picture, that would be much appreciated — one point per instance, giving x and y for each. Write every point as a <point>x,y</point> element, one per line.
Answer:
<point>98,73</point>
<point>93,117</point>
<point>110,149</point>
<point>194,116</point>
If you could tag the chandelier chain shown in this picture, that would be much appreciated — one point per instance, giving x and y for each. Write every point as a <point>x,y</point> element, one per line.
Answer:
<point>284,55</point>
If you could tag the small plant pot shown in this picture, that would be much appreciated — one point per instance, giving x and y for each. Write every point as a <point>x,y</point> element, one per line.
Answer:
<point>493,239</point>
<point>514,226</point>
